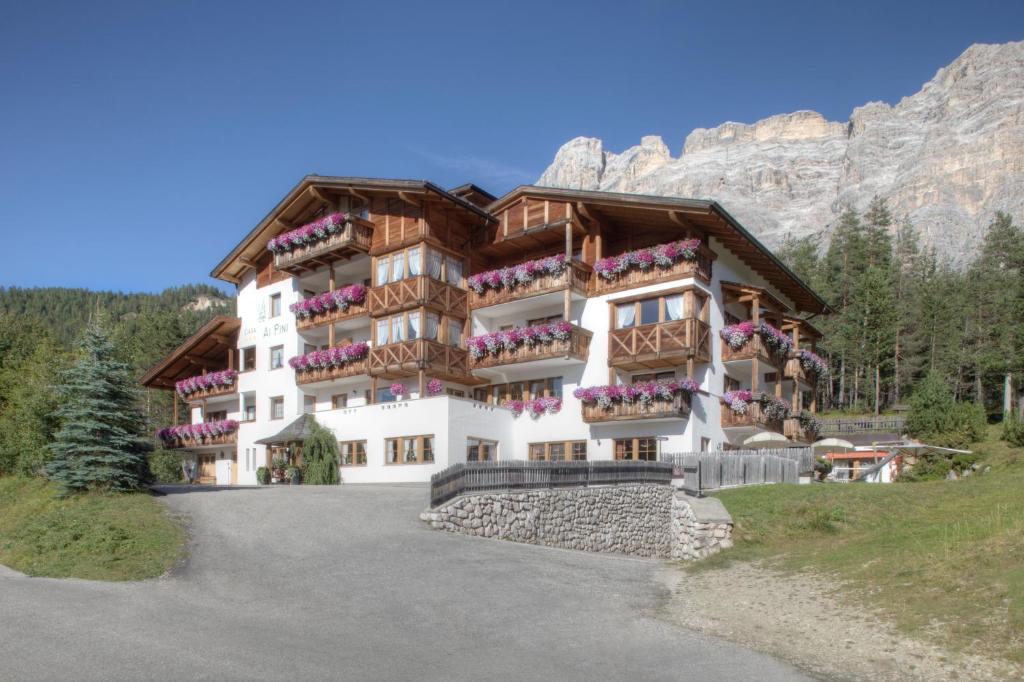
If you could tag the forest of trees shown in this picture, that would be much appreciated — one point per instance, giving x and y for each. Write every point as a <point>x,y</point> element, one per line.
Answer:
<point>39,334</point>
<point>902,312</point>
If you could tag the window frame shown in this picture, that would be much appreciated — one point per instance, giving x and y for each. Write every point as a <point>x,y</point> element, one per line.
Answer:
<point>699,305</point>
<point>359,445</point>
<point>246,353</point>
<point>420,443</point>
<point>271,357</point>
<point>505,390</point>
<point>275,305</point>
<point>403,321</point>
<point>569,451</point>
<point>479,444</point>
<point>341,398</point>
<point>633,443</point>
<point>276,400</point>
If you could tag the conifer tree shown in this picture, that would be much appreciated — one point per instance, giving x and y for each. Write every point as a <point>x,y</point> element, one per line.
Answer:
<point>320,457</point>
<point>100,443</point>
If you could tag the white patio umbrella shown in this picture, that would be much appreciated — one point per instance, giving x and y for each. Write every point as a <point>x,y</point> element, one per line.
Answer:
<point>766,440</point>
<point>826,445</point>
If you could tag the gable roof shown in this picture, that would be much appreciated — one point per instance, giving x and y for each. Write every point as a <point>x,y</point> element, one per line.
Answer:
<point>209,345</point>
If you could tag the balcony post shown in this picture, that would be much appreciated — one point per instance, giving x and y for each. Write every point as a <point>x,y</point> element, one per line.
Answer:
<point>423,382</point>
<point>330,287</point>
<point>567,303</point>
<point>755,316</point>
<point>175,400</point>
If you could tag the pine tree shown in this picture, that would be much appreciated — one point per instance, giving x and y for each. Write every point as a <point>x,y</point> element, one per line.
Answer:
<point>100,443</point>
<point>320,457</point>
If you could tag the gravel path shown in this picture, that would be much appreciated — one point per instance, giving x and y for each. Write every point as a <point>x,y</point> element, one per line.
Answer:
<point>346,583</point>
<point>813,628</point>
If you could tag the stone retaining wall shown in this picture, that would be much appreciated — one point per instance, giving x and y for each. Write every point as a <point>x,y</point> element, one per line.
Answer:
<point>639,520</point>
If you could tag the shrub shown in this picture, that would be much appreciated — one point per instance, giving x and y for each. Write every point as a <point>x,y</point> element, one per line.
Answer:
<point>263,476</point>
<point>937,419</point>
<point>1013,430</point>
<point>320,456</point>
<point>166,466</point>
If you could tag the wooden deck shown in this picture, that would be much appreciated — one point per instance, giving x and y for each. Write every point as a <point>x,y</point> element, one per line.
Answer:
<point>662,344</point>
<point>754,348</point>
<point>351,369</point>
<point>678,408</point>
<point>576,277</point>
<point>576,347</point>
<point>414,292</point>
<point>406,358</point>
<point>752,418</point>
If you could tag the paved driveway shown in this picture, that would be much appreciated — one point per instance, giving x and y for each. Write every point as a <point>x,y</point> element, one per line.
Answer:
<point>346,583</point>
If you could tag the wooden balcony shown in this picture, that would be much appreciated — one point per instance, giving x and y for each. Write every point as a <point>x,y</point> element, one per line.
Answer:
<point>331,317</point>
<point>792,429</point>
<point>752,418</point>
<point>576,347</point>
<point>406,358</point>
<point>212,392</point>
<point>414,292</point>
<point>354,238</point>
<point>350,369</point>
<point>662,344</point>
<point>678,408</point>
<point>699,268</point>
<point>576,277</point>
<point>209,441</point>
<point>795,371</point>
<point>754,348</point>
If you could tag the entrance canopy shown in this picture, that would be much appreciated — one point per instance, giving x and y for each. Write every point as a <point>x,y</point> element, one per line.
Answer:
<point>296,432</point>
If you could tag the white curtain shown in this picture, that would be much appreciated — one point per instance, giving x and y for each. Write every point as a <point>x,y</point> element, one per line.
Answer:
<point>414,326</point>
<point>674,307</point>
<point>431,330</point>
<point>396,329</point>
<point>454,333</point>
<point>398,270</point>
<point>454,270</point>
<point>382,331</point>
<point>625,315</point>
<point>382,271</point>
<point>434,263</point>
<point>414,261</point>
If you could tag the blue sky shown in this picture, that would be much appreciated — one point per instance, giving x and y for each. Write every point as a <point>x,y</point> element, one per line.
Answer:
<point>139,141</point>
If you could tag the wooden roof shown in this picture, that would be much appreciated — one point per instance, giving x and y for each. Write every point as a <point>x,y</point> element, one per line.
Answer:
<point>675,213</point>
<point>206,349</point>
<point>313,193</point>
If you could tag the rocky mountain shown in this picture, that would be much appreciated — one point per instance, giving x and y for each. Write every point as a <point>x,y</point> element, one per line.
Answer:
<point>948,157</point>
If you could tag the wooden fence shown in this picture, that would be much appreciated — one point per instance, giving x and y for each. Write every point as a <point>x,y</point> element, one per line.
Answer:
<point>518,475</point>
<point>840,426</point>
<point>730,468</point>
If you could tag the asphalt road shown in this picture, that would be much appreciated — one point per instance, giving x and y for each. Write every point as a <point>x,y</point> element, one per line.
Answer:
<point>346,584</point>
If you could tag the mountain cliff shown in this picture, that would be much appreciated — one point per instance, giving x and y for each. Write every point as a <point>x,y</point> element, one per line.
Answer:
<point>948,157</point>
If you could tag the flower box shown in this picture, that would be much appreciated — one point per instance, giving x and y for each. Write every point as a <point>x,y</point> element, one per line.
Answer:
<point>207,385</point>
<point>194,435</point>
<point>331,363</point>
<point>329,238</point>
<point>664,262</point>
<point>330,307</point>
<point>641,400</point>
<point>524,344</point>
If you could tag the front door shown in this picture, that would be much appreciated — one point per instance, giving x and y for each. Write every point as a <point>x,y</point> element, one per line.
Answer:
<point>234,468</point>
<point>208,469</point>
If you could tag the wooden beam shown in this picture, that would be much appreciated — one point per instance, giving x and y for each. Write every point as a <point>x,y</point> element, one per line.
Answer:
<point>319,195</point>
<point>407,198</point>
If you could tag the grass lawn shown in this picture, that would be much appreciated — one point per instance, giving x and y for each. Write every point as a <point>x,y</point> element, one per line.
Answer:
<point>943,559</point>
<point>95,536</point>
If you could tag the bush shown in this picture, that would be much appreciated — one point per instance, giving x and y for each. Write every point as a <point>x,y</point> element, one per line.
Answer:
<point>263,476</point>
<point>320,456</point>
<point>166,466</point>
<point>1013,430</point>
<point>937,419</point>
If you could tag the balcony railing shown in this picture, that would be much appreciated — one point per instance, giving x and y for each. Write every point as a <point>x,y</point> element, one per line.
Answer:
<point>396,360</point>
<point>794,430</point>
<point>331,316</point>
<point>661,344</point>
<point>699,268</point>
<point>222,439</point>
<point>356,237</point>
<point>576,277</point>
<point>753,417</point>
<point>677,408</point>
<point>413,292</point>
<point>576,347</point>
<point>350,369</point>
<point>755,347</point>
<point>212,392</point>
<point>794,370</point>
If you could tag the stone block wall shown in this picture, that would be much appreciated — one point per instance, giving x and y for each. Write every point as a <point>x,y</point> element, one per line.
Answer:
<point>639,520</point>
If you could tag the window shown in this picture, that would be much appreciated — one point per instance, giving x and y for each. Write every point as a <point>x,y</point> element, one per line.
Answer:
<point>520,390</point>
<point>731,384</point>
<point>455,393</point>
<point>413,328</point>
<point>705,444</point>
<point>414,261</point>
<point>645,449</point>
<point>416,324</point>
<point>248,358</point>
<point>308,404</point>
<point>409,450</point>
<point>666,308</point>
<point>397,331</point>
<point>308,348</point>
<point>353,453</point>
<point>397,266</point>
<point>383,270</point>
<point>382,331</point>
<point>277,357</point>
<point>219,415</point>
<point>249,407</point>
<point>275,305</point>
<point>454,332</point>
<point>430,330</point>
<point>454,270</point>
<point>654,376</point>
<point>558,451</point>
<point>480,450</point>
<point>339,401</point>
<point>277,407</point>
<point>544,320</point>
<point>384,395</point>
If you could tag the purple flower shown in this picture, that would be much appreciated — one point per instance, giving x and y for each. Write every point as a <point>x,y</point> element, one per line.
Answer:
<point>310,233</point>
<point>398,389</point>
<point>434,387</point>
<point>516,275</point>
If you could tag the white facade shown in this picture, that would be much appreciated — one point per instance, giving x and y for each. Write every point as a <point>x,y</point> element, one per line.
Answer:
<point>453,420</point>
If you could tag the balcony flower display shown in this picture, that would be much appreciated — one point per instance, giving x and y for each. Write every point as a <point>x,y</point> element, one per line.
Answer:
<point>642,392</point>
<point>515,275</point>
<point>202,382</point>
<point>510,339</point>
<point>316,231</point>
<point>339,299</point>
<point>197,432</point>
<point>812,363</point>
<point>737,335</point>
<point>339,356</point>
<point>738,401</point>
<point>536,407</point>
<point>434,387</point>
<point>809,423</point>
<point>398,389</point>
<point>660,256</point>
<point>774,409</point>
